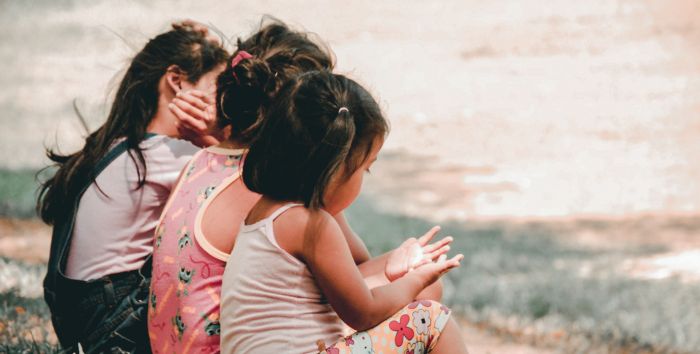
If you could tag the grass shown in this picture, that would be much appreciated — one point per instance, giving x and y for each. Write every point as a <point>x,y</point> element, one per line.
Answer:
<point>24,317</point>
<point>18,193</point>
<point>525,280</point>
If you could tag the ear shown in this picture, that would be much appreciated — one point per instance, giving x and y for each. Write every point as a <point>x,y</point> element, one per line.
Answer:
<point>174,77</point>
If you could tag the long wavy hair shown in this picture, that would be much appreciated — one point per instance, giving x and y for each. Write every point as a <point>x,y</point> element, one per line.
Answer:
<point>135,104</point>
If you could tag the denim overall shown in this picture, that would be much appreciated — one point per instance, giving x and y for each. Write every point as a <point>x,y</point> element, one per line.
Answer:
<point>105,315</point>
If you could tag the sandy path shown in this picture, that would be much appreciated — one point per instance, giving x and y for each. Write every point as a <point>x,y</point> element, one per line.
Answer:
<point>480,342</point>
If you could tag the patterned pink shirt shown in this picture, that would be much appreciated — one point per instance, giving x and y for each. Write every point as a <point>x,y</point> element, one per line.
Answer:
<point>183,312</point>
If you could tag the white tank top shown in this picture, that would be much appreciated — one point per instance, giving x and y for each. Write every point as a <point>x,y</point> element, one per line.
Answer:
<point>270,302</point>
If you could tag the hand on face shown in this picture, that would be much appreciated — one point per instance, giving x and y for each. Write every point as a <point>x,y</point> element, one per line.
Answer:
<point>195,115</point>
<point>414,253</point>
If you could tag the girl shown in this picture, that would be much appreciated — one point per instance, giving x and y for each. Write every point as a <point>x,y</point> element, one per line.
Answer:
<point>195,233</point>
<point>200,222</point>
<point>104,201</point>
<point>194,111</point>
<point>291,277</point>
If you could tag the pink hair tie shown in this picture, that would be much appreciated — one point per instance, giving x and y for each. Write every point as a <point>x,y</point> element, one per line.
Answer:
<point>240,56</point>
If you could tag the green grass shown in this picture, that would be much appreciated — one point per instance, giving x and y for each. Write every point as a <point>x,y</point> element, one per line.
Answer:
<point>18,190</point>
<point>525,277</point>
<point>517,278</point>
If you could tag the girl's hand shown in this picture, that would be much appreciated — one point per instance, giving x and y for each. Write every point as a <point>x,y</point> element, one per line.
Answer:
<point>414,253</point>
<point>196,117</point>
<point>194,26</point>
<point>431,271</point>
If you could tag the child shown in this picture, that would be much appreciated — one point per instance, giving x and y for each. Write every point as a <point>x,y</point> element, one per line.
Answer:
<point>104,200</point>
<point>291,279</point>
<point>200,222</point>
<point>198,225</point>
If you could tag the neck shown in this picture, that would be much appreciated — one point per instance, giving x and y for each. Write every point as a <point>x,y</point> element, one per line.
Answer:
<point>232,143</point>
<point>163,122</point>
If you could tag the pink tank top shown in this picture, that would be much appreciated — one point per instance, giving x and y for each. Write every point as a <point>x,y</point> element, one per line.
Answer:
<point>183,311</point>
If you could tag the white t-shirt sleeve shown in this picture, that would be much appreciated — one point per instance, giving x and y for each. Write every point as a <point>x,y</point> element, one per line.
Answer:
<point>169,157</point>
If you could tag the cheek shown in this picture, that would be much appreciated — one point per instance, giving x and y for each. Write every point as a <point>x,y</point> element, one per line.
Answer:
<point>186,85</point>
<point>352,189</point>
<point>340,197</point>
<point>357,185</point>
<point>205,84</point>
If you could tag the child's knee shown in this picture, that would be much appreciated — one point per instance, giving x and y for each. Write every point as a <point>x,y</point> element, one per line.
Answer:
<point>428,315</point>
<point>427,319</point>
<point>432,292</point>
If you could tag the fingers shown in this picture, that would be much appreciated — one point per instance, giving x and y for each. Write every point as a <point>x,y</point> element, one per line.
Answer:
<point>192,25</point>
<point>451,263</point>
<point>195,98</point>
<point>186,119</point>
<point>197,27</point>
<point>437,253</point>
<point>423,240</point>
<point>203,115</point>
<point>420,263</point>
<point>408,243</point>
<point>441,243</point>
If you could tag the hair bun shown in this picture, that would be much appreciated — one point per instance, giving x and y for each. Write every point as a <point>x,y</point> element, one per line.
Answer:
<point>243,91</point>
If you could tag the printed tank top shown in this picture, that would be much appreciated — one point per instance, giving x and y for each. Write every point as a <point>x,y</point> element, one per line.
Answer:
<point>183,311</point>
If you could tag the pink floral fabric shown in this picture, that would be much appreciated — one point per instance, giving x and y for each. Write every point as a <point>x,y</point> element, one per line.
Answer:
<point>183,311</point>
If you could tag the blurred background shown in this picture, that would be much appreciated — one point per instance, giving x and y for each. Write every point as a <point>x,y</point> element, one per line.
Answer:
<point>557,140</point>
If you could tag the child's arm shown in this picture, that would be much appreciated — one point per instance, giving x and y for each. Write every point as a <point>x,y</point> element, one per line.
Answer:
<point>196,118</point>
<point>329,259</point>
<point>357,247</point>
<point>390,265</point>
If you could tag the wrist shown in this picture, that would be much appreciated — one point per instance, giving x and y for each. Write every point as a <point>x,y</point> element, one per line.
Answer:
<point>420,279</point>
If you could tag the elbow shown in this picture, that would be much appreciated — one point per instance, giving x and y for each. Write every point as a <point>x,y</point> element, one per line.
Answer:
<point>362,320</point>
<point>361,256</point>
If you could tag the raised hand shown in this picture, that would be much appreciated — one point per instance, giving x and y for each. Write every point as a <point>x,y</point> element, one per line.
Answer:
<point>415,252</point>
<point>432,271</point>
<point>196,117</point>
<point>194,26</point>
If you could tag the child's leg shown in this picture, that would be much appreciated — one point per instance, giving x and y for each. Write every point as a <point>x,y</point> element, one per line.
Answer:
<point>432,292</point>
<point>451,340</point>
<point>417,328</point>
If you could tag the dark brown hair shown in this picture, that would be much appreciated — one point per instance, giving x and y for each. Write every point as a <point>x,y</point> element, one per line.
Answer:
<point>279,53</point>
<point>306,137</point>
<point>134,106</point>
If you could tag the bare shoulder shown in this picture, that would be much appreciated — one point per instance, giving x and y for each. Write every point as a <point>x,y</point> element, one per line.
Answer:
<point>299,220</point>
<point>300,225</point>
